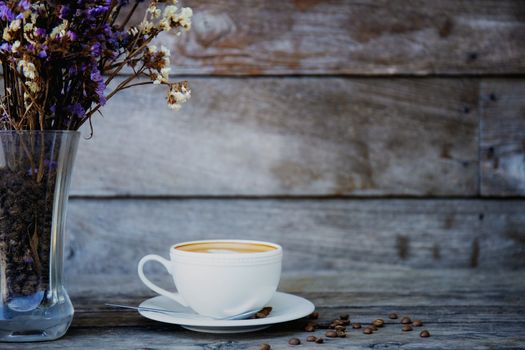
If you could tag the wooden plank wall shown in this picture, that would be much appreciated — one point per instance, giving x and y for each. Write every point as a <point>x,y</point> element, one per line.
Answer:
<point>355,133</point>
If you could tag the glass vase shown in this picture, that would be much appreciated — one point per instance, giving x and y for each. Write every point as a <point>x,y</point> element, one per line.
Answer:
<point>35,173</point>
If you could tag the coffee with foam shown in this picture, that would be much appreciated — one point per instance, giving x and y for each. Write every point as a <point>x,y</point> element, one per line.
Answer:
<point>211,247</point>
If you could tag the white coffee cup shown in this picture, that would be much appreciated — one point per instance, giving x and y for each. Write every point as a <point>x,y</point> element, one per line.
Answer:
<point>220,278</point>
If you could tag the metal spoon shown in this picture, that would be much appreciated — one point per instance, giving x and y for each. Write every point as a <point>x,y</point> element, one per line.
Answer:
<point>242,316</point>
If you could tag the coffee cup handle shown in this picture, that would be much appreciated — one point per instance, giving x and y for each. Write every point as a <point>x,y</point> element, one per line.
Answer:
<point>151,285</point>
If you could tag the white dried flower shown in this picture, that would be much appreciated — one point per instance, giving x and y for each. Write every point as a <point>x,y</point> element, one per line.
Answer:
<point>165,52</point>
<point>154,11</point>
<point>164,25</point>
<point>59,30</point>
<point>172,16</point>
<point>152,49</point>
<point>33,86</point>
<point>146,26</point>
<point>15,25</point>
<point>165,73</point>
<point>28,69</point>
<point>28,27</point>
<point>177,95</point>
<point>185,17</point>
<point>15,46</point>
<point>9,31</point>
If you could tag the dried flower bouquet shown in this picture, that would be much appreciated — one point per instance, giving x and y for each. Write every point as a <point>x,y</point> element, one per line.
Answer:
<point>58,60</point>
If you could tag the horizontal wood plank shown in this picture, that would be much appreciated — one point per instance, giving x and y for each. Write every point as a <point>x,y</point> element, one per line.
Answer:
<point>251,37</point>
<point>503,137</point>
<point>502,335</point>
<point>110,236</point>
<point>389,284</point>
<point>295,136</point>
<point>93,312</point>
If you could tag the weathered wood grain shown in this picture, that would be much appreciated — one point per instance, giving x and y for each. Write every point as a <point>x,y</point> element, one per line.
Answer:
<point>390,284</point>
<point>296,136</point>
<point>503,137</point>
<point>93,313</point>
<point>251,37</point>
<point>382,279</point>
<point>475,318</point>
<point>474,311</point>
<point>484,336</point>
<point>110,236</point>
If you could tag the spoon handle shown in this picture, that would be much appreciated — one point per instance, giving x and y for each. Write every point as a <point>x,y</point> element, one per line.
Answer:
<point>142,308</point>
<point>183,314</point>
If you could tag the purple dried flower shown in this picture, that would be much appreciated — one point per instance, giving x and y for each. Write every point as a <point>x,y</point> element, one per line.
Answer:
<point>5,12</point>
<point>71,35</point>
<point>40,32</point>
<point>77,110</point>
<point>97,11</point>
<point>96,49</point>
<point>64,12</point>
<point>97,78</point>
<point>5,47</point>
<point>24,5</point>
<point>42,53</point>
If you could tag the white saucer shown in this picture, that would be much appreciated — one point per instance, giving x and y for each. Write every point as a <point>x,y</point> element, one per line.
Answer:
<point>286,307</point>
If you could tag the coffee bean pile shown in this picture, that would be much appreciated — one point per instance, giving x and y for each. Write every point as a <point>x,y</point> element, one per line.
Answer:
<point>26,208</point>
<point>338,328</point>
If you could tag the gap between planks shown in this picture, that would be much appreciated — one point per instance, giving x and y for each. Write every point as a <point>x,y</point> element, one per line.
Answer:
<point>291,197</point>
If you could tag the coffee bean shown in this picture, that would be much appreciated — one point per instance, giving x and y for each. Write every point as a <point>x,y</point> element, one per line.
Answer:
<point>264,312</point>
<point>378,323</point>
<point>337,323</point>
<point>356,325</point>
<point>309,328</point>
<point>314,315</point>
<point>406,320</point>
<point>372,327</point>
<point>417,323</point>
<point>344,317</point>
<point>265,346</point>
<point>392,315</point>
<point>294,341</point>
<point>424,334</point>
<point>323,325</point>
<point>340,328</point>
<point>406,328</point>
<point>319,340</point>
<point>368,331</point>
<point>331,334</point>
<point>311,338</point>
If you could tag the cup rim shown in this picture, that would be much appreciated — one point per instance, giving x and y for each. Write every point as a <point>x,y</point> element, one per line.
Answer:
<point>277,251</point>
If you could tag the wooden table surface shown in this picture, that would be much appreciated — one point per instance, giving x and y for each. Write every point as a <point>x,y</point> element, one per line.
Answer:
<point>461,308</point>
